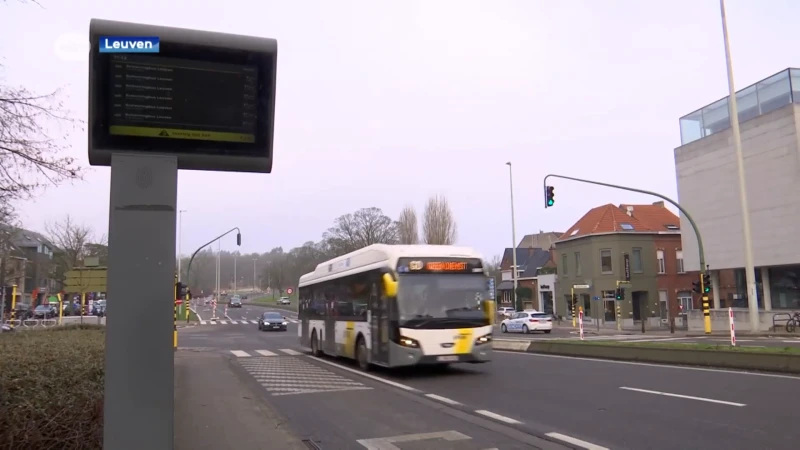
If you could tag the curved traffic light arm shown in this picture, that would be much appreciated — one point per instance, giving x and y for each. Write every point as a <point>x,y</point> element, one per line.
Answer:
<point>238,242</point>
<point>703,266</point>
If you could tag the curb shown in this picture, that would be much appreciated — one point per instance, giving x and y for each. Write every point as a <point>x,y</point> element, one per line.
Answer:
<point>765,362</point>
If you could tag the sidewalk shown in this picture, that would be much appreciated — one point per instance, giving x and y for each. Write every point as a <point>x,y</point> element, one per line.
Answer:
<point>214,409</point>
<point>661,331</point>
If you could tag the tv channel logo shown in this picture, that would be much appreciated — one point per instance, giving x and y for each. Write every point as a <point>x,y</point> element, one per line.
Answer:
<point>129,44</point>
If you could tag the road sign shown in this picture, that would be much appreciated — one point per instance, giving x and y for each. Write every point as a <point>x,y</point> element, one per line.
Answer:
<point>289,290</point>
<point>581,286</point>
<point>86,279</point>
<point>178,302</point>
<point>491,288</point>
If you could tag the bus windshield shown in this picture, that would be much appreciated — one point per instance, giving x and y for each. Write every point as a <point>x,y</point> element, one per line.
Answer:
<point>423,299</point>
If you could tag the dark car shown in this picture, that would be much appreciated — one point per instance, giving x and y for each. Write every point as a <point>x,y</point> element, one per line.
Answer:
<point>44,312</point>
<point>235,302</point>
<point>271,320</point>
<point>23,311</point>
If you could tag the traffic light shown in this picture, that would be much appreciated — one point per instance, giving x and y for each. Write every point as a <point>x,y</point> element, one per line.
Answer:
<point>706,283</point>
<point>549,196</point>
<point>180,291</point>
<point>696,287</point>
<point>574,300</point>
<point>620,294</point>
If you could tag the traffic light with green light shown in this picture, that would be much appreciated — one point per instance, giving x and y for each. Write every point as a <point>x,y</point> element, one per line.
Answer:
<point>706,283</point>
<point>620,294</point>
<point>549,196</point>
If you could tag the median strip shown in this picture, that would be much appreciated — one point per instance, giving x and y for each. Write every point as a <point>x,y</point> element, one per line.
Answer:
<point>768,359</point>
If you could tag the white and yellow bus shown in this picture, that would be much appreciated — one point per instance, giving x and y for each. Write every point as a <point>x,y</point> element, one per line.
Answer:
<point>399,305</point>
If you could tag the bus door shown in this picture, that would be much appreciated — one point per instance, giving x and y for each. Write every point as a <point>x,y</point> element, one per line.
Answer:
<point>379,321</point>
<point>330,326</point>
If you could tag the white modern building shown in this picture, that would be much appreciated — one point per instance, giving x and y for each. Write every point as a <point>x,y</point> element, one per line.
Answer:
<point>708,188</point>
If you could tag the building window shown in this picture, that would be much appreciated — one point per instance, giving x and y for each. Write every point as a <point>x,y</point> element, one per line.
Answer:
<point>685,302</point>
<point>605,261</point>
<point>564,261</point>
<point>637,261</point>
<point>578,269</point>
<point>662,267</point>
<point>679,260</point>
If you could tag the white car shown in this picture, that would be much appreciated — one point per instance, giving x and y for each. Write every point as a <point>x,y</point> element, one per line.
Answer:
<point>506,311</point>
<point>526,322</point>
<point>284,301</point>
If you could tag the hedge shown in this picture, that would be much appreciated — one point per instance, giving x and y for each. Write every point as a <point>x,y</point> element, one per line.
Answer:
<point>51,388</point>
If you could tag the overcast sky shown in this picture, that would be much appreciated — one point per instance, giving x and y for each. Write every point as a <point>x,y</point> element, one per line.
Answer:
<point>384,103</point>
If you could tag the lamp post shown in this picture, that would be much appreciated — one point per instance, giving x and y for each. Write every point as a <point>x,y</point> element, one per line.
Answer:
<point>513,237</point>
<point>254,274</point>
<point>733,112</point>
<point>180,228</point>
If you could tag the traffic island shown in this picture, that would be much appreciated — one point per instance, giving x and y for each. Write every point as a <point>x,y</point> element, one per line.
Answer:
<point>767,359</point>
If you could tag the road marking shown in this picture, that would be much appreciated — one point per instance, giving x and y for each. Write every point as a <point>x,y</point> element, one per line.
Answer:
<point>289,351</point>
<point>233,322</point>
<point>223,322</point>
<point>212,322</point>
<point>387,443</point>
<point>240,354</point>
<point>266,353</point>
<point>796,341</point>
<point>254,322</point>
<point>660,339</point>
<point>496,416</point>
<point>688,397</point>
<point>575,441</point>
<point>366,375</point>
<point>202,322</point>
<point>442,399</point>
<point>661,366</point>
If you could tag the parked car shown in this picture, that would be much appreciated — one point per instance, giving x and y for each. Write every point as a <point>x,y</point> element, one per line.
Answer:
<point>284,301</point>
<point>44,312</point>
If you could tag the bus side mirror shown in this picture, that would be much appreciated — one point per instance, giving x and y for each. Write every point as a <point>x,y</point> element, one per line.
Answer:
<point>389,285</point>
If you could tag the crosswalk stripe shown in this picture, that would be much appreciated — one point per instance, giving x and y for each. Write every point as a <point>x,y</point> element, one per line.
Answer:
<point>202,322</point>
<point>212,322</point>
<point>266,353</point>
<point>289,351</point>
<point>223,322</point>
<point>240,354</point>
<point>254,322</point>
<point>233,322</point>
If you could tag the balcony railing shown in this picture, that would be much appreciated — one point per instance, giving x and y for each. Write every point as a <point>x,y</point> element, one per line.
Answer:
<point>755,100</point>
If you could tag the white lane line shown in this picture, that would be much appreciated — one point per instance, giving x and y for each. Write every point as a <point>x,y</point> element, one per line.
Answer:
<point>688,397</point>
<point>196,314</point>
<point>796,341</point>
<point>202,322</point>
<point>660,366</point>
<point>289,351</point>
<point>575,441</point>
<point>366,375</point>
<point>266,353</point>
<point>240,354</point>
<point>442,399</point>
<point>496,416</point>
<point>658,339</point>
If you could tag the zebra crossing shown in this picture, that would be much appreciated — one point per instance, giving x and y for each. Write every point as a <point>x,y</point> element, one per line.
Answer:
<point>265,353</point>
<point>237,322</point>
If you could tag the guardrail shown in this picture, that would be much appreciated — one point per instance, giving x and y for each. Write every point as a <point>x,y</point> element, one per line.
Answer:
<point>52,322</point>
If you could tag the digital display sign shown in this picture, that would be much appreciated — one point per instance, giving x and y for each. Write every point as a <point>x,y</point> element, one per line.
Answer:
<point>171,98</point>
<point>206,98</point>
<point>439,265</point>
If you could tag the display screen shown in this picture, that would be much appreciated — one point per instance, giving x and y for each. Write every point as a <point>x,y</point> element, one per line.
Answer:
<point>172,98</point>
<point>439,265</point>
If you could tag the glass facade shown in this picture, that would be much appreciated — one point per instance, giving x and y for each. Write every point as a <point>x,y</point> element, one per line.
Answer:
<point>763,97</point>
<point>784,288</point>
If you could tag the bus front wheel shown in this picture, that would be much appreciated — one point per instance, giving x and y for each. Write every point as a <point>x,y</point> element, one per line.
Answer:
<point>361,355</point>
<point>315,344</point>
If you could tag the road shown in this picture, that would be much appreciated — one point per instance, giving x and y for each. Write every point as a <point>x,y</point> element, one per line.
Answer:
<point>603,404</point>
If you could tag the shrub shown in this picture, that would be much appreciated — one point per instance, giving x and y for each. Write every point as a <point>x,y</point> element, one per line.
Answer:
<point>51,388</point>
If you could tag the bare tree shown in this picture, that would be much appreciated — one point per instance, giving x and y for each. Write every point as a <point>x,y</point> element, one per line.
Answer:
<point>71,239</point>
<point>30,154</point>
<point>365,227</point>
<point>438,223</point>
<point>407,226</point>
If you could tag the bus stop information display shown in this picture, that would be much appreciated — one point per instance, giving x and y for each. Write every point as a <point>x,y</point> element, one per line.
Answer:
<point>172,98</point>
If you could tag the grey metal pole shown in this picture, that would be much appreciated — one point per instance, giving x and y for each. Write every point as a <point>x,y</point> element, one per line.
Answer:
<point>513,236</point>
<point>180,241</point>
<point>139,367</point>
<point>749,268</point>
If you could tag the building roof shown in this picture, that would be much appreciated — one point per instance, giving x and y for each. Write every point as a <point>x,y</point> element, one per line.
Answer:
<point>529,260</point>
<point>542,239</point>
<point>25,238</point>
<point>625,218</point>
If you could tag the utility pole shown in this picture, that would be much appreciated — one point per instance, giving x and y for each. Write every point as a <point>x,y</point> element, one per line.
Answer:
<point>513,239</point>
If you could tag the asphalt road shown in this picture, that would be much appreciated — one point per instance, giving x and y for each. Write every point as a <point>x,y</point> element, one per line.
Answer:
<point>605,404</point>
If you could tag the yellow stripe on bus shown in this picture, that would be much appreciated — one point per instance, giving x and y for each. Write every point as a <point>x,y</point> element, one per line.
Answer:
<point>350,339</point>
<point>175,133</point>
<point>464,341</point>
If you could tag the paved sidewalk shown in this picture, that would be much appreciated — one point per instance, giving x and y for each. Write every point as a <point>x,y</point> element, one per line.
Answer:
<point>215,410</point>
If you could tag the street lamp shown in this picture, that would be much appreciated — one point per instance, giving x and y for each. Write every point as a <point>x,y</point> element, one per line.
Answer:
<point>180,227</point>
<point>733,112</point>
<point>254,274</point>
<point>513,237</point>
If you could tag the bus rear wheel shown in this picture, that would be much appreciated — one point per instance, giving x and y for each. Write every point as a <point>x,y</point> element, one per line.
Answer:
<point>315,344</point>
<point>361,355</point>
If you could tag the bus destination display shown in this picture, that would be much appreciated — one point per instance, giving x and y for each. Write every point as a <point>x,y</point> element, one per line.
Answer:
<point>170,98</point>
<point>439,266</point>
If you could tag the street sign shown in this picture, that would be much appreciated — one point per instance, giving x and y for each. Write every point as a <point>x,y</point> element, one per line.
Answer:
<point>289,290</point>
<point>491,288</point>
<point>581,286</point>
<point>178,301</point>
<point>86,279</point>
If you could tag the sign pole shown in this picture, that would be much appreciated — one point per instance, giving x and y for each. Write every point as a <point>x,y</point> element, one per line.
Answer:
<point>733,327</point>
<point>580,321</point>
<point>139,382</point>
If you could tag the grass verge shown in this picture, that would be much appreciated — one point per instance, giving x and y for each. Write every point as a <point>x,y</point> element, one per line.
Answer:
<point>686,346</point>
<point>51,388</point>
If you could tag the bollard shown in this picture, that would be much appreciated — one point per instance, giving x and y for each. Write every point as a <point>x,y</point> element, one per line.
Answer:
<point>174,325</point>
<point>13,305</point>
<point>733,328</point>
<point>83,306</point>
<point>619,317</point>
<point>60,309</point>
<point>580,322</point>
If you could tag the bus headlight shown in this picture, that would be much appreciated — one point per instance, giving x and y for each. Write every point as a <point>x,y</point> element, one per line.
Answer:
<point>483,339</point>
<point>408,342</point>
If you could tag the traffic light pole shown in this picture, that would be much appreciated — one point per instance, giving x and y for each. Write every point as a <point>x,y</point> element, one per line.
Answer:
<point>703,267</point>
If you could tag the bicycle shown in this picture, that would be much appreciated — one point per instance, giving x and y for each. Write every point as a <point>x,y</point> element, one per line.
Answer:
<point>793,323</point>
